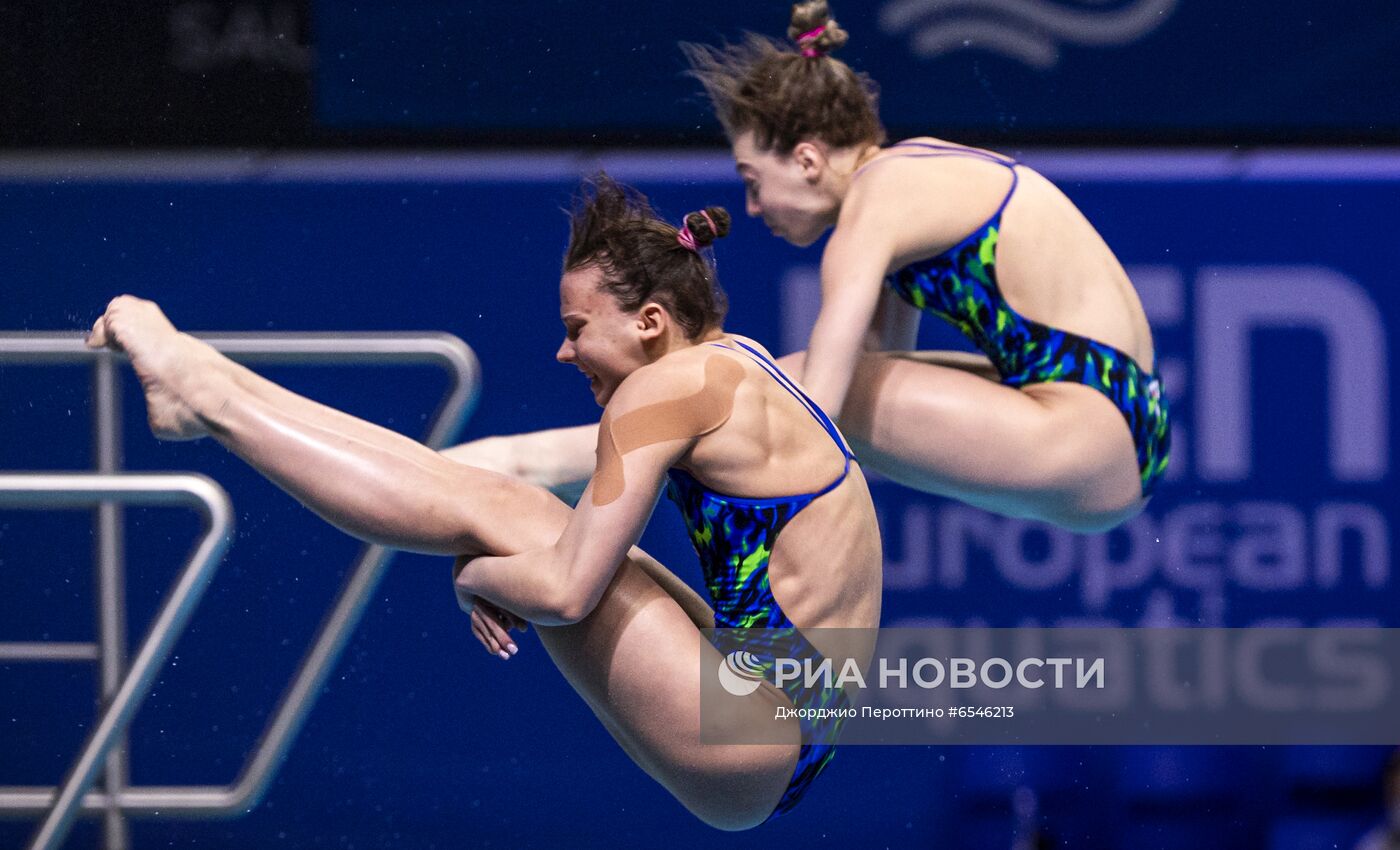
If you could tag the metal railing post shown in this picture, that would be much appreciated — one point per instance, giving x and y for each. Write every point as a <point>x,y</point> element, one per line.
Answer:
<point>111,583</point>
<point>107,743</point>
<point>50,490</point>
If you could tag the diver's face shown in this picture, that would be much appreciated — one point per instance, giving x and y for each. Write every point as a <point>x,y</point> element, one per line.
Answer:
<point>782,189</point>
<point>600,339</point>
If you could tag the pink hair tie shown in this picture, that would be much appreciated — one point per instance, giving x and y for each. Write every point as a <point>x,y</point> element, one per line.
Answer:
<point>687,239</point>
<point>806,42</point>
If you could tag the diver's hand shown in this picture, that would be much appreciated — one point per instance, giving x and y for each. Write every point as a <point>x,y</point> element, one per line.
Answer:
<point>492,626</point>
<point>490,623</point>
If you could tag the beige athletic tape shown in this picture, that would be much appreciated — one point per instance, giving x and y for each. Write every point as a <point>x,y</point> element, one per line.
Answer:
<point>677,419</point>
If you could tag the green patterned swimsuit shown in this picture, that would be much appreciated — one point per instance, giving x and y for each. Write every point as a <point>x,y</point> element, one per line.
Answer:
<point>734,537</point>
<point>960,286</point>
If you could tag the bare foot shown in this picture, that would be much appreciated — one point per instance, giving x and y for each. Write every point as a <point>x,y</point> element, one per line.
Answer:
<point>172,367</point>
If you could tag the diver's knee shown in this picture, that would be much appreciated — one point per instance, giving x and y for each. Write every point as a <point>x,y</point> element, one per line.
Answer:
<point>730,815</point>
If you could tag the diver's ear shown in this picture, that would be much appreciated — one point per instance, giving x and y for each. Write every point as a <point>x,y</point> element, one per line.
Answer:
<point>653,321</point>
<point>811,158</point>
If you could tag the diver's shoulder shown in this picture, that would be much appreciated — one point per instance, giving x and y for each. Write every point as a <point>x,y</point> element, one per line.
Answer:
<point>677,374</point>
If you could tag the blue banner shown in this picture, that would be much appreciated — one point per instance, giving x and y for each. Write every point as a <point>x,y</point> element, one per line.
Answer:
<point>1147,70</point>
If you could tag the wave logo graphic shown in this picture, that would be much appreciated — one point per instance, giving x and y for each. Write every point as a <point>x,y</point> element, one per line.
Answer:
<point>1030,31</point>
<point>741,673</point>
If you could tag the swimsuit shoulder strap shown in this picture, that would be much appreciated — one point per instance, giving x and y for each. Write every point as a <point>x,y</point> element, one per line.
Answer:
<point>788,384</point>
<point>937,150</point>
<point>958,150</point>
<point>929,150</point>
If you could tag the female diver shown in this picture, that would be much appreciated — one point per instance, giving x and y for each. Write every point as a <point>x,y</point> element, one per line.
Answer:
<point>1062,419</point>
<point>794,547</point>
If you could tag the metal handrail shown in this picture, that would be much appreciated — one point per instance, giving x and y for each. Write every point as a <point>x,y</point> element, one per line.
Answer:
<point>58,490</point>
<point>443,349</point>
<point>334,632</point>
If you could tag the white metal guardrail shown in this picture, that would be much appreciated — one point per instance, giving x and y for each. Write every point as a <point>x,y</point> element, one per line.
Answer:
<point>123,689</point>
<point>46,491</point>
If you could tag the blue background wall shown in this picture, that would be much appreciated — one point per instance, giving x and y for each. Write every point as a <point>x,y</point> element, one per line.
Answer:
<point>116,73</point>
<point>420,739</point>
<point>1125,69</point>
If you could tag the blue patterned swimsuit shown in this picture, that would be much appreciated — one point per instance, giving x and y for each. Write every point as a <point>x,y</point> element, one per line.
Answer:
<point>734,537</point>
<point>960,286</point>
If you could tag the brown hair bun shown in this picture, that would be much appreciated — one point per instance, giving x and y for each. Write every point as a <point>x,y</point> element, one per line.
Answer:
<point>708,225</point>
<point>814,15</point>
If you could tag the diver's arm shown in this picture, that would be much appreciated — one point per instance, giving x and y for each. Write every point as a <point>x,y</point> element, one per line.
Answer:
<point>638,441</point>
<point>558,459</point>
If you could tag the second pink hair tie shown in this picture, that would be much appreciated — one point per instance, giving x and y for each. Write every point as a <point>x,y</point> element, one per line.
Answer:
<point>686,238</point>
<point>806,42</point>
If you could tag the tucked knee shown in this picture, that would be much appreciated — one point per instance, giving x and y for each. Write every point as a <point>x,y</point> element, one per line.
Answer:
<point>729,815</point>
<point>737,788</point>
